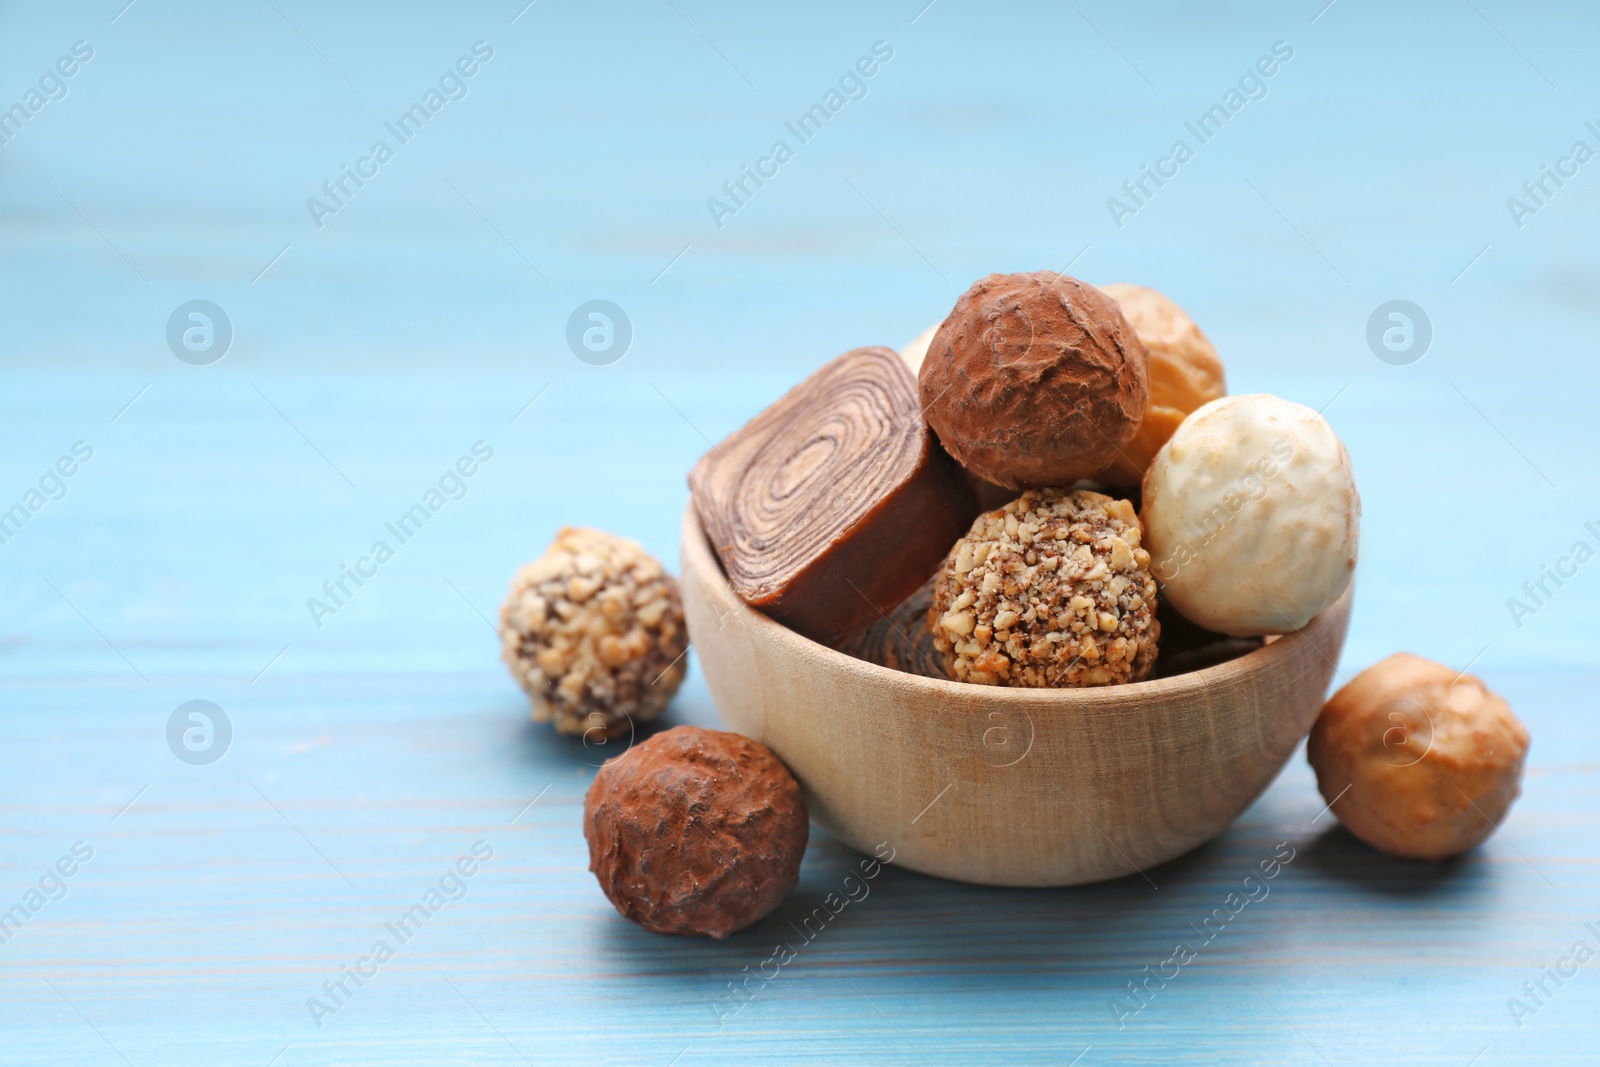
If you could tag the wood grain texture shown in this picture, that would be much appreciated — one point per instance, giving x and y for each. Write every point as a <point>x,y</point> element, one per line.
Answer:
<point>379,347</point>
<point>392,739</point>
<point>1004,786</point>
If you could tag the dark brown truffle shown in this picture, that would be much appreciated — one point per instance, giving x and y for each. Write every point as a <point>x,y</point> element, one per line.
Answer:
<point>695,832</point>
<point>901,639</point>
<point>1188,646</point>
<point>1035,380</point>
<point>831,506</point>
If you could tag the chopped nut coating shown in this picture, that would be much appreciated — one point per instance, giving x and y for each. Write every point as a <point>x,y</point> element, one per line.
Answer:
<point>593,631</point>
<point>1051,591</point>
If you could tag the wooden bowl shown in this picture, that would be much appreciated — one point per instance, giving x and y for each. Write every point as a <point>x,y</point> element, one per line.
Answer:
<point>1018,787</point>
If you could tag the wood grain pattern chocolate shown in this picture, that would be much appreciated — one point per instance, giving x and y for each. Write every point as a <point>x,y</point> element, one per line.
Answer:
<point>830,507</point>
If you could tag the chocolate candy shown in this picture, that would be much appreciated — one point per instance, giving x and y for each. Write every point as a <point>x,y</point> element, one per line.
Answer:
<point>1418,759</point>
<point>1052,591</point>
<point>833,505</point>
<point>901,639</point>
<point>1035,380</point>
<point>1185,372</point>
<point>695,832</point>
<point>593,631</point>
<point>1252,516</point>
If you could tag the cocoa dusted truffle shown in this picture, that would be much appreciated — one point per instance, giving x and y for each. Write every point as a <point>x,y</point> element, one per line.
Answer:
<point>695,832</point>
<point>1416,759</point>
<point>1051,591</point>
<point>1035,380</point>
<point>593,631</point>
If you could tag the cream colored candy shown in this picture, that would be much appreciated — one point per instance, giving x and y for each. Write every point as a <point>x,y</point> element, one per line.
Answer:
<point>914,352</point>
<point>1251,516</point>
<point>1417,759</point>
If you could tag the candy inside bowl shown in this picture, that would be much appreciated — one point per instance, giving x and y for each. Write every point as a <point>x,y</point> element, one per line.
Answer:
<point>942,599</point>
<point>1008,786</point>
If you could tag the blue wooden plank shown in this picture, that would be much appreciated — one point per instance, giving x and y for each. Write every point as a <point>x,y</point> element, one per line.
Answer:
<point>372,751</point>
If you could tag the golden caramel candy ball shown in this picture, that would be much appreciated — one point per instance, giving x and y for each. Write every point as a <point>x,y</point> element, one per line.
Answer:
<point>1185,372</point>
<point>1418,760</point>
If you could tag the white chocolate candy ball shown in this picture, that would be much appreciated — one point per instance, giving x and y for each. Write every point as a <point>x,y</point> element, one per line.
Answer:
<point>1251,516</point>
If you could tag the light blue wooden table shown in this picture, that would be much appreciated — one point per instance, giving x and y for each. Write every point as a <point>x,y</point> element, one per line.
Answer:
<point>428,313</point>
